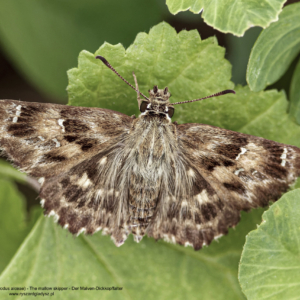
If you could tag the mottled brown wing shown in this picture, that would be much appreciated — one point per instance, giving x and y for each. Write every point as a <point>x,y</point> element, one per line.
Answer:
<point>230,172</point>
<point>45,140</point>
<point>67,147</point>
<point>87,199</point>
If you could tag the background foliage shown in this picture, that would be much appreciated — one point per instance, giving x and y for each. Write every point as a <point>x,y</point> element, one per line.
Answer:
<point>234,16</point>
<point>42,39</point>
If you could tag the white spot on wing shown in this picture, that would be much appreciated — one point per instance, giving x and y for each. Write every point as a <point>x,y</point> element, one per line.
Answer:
<point>188,244</point>
<point>81,231</point>
<point>105,231</point>
<point>202,197</point>
<point>98,229</point>
<point>169,239</point>
<point>18,112</point>
<point>56,142</point>
<point>53,213</point>
<point>238,171</point>
<point>191,172</point>
<point>218,236</point>
<point>283,157</point>
<point>137,238</point>
<point>118,243</point>
<point>41,138</point>
<point>103,160</point>
<point>60,123</point>
<point>66,226</point>
<point>243,151</point>
<point>15,119</point>
<point>173,239</point>
<point>84,181</point>
<point>42,202</point>
<point>41,180</point>
<point>184,203</point>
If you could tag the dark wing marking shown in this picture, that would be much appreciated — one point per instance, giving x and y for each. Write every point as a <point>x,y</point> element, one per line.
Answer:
<point>45,140</point>
<point>230,172</point>
<point>84,200</point>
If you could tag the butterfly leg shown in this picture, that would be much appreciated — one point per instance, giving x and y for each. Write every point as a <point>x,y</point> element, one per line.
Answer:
<point>137,87</point>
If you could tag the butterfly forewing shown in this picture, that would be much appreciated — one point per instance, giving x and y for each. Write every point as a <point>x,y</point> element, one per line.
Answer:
<point>45,140</point>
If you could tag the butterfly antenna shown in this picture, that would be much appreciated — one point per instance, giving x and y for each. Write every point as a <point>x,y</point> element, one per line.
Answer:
<point>214,95</point>
<point>113,69</point>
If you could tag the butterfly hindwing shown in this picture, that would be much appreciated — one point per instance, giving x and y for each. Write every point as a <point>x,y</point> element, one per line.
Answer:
<point>229,172</point>
<point>82,199</point>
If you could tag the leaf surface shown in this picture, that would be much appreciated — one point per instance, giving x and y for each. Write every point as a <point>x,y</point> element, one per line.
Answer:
<point>275,49</point>
<point>12,221</point>
<point>294,109</point>
<point>8,172</point>
<point>51,257</point>
<point>270,262</point>
<point>233,16</point>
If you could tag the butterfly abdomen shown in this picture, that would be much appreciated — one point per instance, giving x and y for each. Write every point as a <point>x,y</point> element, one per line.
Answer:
<point>142,205</point>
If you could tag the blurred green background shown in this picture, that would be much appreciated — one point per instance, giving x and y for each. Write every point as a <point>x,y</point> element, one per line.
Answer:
<point>40,40</point>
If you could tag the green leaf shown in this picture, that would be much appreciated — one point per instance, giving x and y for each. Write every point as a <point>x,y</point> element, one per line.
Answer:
<point>275,49</point>
<point>295,95</point>
<point>43,37</point>
<point>51,257</point>
<point>233,16</point>
<point>12,221</point>
<point>181,61</point>
<point>8,172</point>
<point>270,264</point>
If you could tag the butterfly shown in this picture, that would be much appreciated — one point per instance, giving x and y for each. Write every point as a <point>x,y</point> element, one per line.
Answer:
<point>102,170</point>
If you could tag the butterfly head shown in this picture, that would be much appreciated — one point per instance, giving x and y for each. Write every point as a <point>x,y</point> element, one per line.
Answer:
<point>158,103</point>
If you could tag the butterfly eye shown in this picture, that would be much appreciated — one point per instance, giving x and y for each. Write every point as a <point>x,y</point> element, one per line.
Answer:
<point>143,106</point>
<point>171,111</point>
